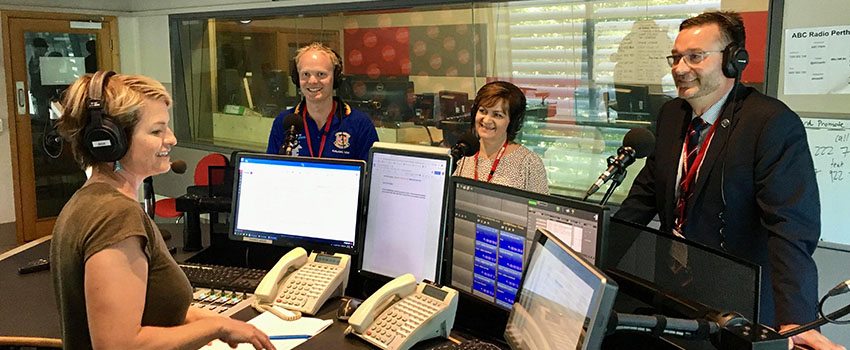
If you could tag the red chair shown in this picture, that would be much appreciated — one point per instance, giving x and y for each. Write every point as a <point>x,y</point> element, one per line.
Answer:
<point>202,169</point>
<point>166,208</point>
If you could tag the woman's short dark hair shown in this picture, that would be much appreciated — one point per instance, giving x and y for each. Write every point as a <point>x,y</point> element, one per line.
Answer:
<point>122,97</point>
<point>512,99</point>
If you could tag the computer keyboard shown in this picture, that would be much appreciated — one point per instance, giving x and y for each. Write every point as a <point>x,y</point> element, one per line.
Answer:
<point>239,279</point>
<point>474,344</point>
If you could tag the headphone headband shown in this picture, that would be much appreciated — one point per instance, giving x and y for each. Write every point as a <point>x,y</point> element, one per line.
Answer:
<point>735,56</point>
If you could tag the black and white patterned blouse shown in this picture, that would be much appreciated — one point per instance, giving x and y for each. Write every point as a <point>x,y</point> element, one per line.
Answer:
<point>522,169</point>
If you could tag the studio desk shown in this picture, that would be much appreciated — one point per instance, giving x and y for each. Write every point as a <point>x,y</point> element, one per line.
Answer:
<point>29,309</point>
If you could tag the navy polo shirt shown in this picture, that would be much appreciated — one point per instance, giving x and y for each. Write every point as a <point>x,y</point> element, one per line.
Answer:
<point>348,139</point>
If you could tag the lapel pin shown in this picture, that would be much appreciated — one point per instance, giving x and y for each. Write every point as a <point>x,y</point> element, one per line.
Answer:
<point>724,123</point>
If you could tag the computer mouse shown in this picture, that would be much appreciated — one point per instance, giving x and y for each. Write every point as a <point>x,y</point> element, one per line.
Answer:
<point>346,308</point>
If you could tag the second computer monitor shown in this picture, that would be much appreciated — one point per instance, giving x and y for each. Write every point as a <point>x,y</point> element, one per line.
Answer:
<point>493,227</point>
<point>406,216</point>
<point>563,303</point>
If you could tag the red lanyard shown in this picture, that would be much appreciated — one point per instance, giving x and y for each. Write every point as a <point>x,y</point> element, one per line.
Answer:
<point>692,169</point>
<point>324,134</point>
<point>495,162</point>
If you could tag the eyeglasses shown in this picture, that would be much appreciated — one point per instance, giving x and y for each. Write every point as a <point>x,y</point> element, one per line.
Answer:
<point>691,58</point>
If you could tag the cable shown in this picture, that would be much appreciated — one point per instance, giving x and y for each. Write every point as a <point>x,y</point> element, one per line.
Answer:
<point>283,314</point>
<point>833,317</point>
<point>247,249</point>
<point>46,135</point>
<point>841,288</point>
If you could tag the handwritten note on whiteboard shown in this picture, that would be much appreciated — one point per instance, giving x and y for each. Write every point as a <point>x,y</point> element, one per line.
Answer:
<point>829,141</point>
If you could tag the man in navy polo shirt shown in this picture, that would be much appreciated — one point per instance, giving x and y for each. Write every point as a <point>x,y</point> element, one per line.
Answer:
<point>332,129</point>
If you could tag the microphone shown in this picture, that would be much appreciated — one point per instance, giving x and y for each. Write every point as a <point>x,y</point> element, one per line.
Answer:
<point>293,126</point>
<point>638,143</point>
<point>661,325</point>
<point>178,166</point>
<point>466,146</point>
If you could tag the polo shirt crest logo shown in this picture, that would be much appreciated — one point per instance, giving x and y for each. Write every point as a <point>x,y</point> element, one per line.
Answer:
<point>342,140</point>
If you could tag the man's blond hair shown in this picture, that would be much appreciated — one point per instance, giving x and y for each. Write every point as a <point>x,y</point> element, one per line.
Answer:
<point>316,46</point>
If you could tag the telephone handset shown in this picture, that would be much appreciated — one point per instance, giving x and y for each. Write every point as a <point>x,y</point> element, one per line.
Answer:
<point>302,283</point>
<point>403,313</point>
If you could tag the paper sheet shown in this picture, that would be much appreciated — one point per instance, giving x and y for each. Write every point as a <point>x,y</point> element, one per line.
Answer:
<point>817,60</point>
<point>272,325</point>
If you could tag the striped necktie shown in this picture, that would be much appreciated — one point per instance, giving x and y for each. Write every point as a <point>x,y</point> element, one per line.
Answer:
<point>686,190</point>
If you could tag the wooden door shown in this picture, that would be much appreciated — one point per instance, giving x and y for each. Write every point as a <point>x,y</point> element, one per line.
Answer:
<point>44,53</point>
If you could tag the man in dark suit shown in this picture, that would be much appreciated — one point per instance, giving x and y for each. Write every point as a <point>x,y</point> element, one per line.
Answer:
<point>743,181</point>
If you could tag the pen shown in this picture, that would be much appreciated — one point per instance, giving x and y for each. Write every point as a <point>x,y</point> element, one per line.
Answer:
<point>294,336</point>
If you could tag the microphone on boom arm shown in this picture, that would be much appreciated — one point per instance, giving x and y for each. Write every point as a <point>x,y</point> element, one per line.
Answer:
<point>294,127</point>
<point>467,145</point>
<point>638,143</point>
<point>178,167</point>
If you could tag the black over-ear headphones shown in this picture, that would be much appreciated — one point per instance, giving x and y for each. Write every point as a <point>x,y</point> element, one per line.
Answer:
<point>735,58</point>
<point>296,79</point>
<point>102,138</point>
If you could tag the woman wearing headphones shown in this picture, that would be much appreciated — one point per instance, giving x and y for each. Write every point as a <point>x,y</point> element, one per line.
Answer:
<point>116,285</point>
<point>499,110</point>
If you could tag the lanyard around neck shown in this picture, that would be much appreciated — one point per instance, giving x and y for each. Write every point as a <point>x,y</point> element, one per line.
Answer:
<point>324,134</point>
<point>692,168</point>
<point>495,162</point>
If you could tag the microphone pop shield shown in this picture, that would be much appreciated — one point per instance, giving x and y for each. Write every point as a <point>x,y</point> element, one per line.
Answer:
<point>641,140</point>
<point>471,142</point>
<point>293,120</point>
<point>178,166</point>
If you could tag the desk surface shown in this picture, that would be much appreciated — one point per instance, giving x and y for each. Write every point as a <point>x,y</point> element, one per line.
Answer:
<point>28,304</point>
<point>29,310</point>
<point>29,307</point>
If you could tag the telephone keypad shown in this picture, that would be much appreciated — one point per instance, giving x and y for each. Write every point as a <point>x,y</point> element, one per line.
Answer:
<point>307,282</point>
<point>403,318</point>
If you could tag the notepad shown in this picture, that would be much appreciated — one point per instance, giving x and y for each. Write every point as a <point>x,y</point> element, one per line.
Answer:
<point>272,325</point>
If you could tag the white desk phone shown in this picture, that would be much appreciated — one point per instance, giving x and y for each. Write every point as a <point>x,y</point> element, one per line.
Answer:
<point>302,283</point>
<point>403,313</point>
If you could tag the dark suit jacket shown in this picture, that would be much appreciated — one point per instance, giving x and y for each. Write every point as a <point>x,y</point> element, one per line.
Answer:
<point>756,197</point>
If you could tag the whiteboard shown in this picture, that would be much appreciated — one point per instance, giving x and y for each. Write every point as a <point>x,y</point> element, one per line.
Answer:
<point>829,142</point>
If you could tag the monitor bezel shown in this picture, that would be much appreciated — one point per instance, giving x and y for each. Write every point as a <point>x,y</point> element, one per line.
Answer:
<point>601,233</point>
<point>690,308</point>
<point>394,150</point>
<point>291,243</point>
<point>603,297</point>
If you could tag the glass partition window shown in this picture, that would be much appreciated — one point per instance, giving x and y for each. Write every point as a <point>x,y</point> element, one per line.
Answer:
<point>591,70</point>
<point>54,61</point>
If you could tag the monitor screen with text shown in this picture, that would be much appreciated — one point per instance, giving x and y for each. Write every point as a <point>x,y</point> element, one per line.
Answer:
<point>563,303</point>
<point>406,213</point>
<point>493,227</point>
<point>292,201</point>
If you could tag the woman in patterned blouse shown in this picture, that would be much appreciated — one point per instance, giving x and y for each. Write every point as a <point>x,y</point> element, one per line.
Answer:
<point>498,112</point>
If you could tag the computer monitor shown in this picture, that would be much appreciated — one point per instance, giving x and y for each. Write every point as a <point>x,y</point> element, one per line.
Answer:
<point>291,201</point>
<point>666,271</point>
<point>405,223</point>
<point>563,302</point>
<point>494,225</point>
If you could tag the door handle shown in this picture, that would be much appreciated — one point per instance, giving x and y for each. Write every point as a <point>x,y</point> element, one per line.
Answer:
<point>21,97</point>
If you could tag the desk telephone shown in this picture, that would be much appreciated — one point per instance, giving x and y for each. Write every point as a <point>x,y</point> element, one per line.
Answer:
<point>302,283</point>
<point>403,313</point>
